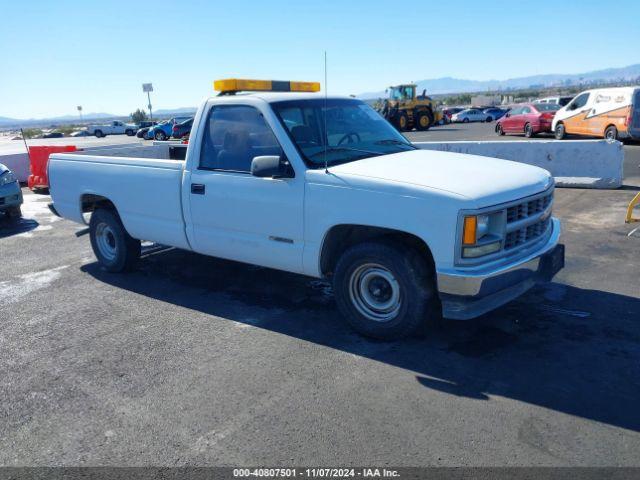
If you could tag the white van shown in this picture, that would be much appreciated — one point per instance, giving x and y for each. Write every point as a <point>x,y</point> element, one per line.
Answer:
<point>612,113</point>
<point>562,101</point>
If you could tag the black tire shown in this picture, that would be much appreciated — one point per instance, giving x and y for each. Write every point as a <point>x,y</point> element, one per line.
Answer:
<point>611,133</point>
<point>528,130</point>
<point>114,248</point>
<point>130,133</point>
<point>466,120</point>
<point>99,133</point>
<point>413,287</point>
<point>560,133</point>
<point>489,119</point>
<point>14,213</point>
<point>401,121</point>
<point>499,129</point>
<point>160,136</point>
<point>423,120</point>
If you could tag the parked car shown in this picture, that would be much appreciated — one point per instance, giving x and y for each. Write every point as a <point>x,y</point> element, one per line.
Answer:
<point>144,128</point>
<point>612,113</point>
<point>181,130</point>
<point>255,189</point>
<point>10,193</point>
<point>114,128</point>
<point>53,135</point>
<point>528,118</point>
<point>562,101</point>
<point>470,115</point>
<point>163,130</point>
<point>80,133</point>
<point>493,113</point>
<point>448,112</point>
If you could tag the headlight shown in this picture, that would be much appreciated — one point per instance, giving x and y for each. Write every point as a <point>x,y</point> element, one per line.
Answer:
<point>482,234</point>
<point>7,178</point>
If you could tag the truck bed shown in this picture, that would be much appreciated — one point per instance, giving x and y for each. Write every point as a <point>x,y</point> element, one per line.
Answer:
<point>145,190</point>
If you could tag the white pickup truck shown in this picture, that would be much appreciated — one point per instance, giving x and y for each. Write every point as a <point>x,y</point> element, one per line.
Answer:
<point>114,128</point>
<point>327,188</point>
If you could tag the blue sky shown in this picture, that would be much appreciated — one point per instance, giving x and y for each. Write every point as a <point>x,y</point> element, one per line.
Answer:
<point>59,54</point>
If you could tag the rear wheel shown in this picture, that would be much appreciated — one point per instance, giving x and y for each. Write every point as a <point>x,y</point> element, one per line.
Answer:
<point>130,133</point>
<point>611,133</point>
<point>466,120</point>
<point>560,132</point>
<point>160,135</point>
<point>528,130</point>
<point>489,119</point>
<point>424,120</point>
<point>115,249</point>
<point>384,290</point>
<point>99,133</point>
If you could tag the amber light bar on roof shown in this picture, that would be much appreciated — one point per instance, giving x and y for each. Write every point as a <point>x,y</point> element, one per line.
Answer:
<point>242,85</point>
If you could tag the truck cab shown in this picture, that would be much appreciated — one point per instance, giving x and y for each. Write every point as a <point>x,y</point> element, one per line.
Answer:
<point>326,187</point>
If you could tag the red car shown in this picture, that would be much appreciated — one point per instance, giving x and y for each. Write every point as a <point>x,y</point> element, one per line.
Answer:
<point>528,118</point>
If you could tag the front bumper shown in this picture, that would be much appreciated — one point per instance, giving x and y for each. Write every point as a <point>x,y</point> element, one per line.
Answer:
<point>469,294</point>
<point>10,196</point>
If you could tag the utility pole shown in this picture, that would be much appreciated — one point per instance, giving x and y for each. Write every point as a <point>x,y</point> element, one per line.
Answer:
<point>148,88</point>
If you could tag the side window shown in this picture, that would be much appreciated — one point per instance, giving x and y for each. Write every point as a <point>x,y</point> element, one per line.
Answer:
<point>579,102</point>
<point>515,111</point>
<point>525,111</point>
<point>234,135</point>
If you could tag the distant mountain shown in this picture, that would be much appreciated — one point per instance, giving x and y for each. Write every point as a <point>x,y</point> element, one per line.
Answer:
<point>457,85</point>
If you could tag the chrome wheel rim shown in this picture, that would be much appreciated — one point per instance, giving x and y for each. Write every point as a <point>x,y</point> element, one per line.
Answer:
<point>106,241</point>
<point>375,292</point>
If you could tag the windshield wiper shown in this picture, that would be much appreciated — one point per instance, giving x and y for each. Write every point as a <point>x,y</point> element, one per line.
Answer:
<point>344,149</point>
<point>393,141</point>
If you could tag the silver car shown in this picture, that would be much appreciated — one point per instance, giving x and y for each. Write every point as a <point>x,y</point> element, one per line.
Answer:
<point>470,115</point>
<point>10,193</point>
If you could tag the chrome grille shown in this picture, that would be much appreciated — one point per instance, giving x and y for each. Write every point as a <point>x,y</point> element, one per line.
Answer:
<point>528,221</point>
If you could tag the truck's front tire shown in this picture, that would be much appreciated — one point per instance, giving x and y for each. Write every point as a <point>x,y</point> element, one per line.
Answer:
<point>384,289</point>
<point>115,249</point>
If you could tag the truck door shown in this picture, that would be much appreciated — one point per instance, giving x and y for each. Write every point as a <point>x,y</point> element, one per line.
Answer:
<point>233,214</point>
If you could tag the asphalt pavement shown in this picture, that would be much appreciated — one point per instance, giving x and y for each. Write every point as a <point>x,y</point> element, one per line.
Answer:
<point>192,360</point>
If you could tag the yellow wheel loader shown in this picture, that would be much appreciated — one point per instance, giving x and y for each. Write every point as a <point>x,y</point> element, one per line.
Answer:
<point>406,110</point>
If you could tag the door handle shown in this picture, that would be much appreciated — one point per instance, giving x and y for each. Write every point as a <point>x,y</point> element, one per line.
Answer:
<point>197,188</point>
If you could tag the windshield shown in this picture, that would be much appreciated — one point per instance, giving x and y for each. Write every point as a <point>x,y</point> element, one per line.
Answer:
<point>547,107</point>
<point>353,130</point>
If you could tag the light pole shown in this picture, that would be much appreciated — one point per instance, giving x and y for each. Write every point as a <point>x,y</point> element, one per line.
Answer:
<point>79,107</point>
<point>148,88</point>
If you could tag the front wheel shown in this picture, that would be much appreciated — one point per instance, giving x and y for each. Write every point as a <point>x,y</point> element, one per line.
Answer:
<point>14,213</point>
<point>115,249</point>
<point>384,290</point>
<point>499,129</point>
<point>560,133</point>
<point>466,120</point>
<point>160,135</point>
<point>130,133</point>
<point>99,134</point>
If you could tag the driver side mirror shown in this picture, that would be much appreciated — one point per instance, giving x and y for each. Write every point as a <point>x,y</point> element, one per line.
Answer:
<point>507,114</point>
<point>271,166</point>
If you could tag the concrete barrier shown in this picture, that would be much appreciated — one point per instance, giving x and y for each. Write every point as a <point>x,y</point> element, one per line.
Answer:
<point>573,163</point>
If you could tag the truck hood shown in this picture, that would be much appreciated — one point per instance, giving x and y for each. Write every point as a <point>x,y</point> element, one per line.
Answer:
<point>485,180</point>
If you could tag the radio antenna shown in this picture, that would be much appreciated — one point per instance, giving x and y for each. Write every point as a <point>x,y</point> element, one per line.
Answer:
<point>326,134</point>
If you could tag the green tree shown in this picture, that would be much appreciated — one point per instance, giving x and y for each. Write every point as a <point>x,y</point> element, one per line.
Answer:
<point>138,116</point>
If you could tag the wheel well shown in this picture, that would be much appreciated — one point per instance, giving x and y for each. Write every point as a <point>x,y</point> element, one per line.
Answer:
<point>341,237</point>
<point>90,202</point>
<point>609,126</point>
